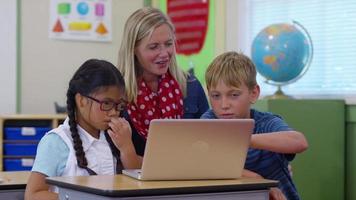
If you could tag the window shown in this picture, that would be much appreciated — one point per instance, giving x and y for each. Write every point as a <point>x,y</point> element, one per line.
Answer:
<point>332,26</point>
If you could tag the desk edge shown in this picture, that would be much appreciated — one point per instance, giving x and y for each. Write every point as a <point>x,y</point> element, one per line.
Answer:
<point>164,191</point>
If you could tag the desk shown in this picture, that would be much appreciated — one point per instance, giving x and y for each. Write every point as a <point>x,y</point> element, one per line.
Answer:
<point>13,184</point>
<point>123,187</point>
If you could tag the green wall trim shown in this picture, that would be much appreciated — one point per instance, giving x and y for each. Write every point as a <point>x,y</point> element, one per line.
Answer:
<point>350,160</point>
<point>350,113</point>
<point>147,3</point>
<point>18,57</point>
<point>350,152</point>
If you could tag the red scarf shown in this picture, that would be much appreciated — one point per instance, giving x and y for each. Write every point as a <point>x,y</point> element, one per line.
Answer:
<point>167,103</point>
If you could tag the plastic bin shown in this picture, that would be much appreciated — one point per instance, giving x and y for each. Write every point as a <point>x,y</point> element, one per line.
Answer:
<point>18,164</point>
<point>25,133</point>
<point>20,149</point>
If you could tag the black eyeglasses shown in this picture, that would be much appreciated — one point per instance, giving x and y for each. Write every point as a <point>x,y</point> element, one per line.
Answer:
<point>108,105</point>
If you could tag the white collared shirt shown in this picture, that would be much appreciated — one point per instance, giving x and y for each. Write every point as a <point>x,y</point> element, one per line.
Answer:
<point>97,153</point>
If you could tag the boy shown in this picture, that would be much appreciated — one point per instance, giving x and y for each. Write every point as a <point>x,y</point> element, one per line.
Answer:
<point>232,89</point>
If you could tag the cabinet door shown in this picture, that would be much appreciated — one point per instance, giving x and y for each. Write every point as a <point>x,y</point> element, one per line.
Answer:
<point>318,172</point>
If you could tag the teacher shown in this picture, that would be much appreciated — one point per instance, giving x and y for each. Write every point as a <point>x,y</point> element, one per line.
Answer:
<point>156,87</point>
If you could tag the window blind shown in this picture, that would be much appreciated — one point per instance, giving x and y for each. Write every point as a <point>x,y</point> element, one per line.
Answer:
<point>332,27</point>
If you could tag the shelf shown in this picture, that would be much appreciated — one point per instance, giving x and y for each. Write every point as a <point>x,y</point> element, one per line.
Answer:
<point>32,123</point>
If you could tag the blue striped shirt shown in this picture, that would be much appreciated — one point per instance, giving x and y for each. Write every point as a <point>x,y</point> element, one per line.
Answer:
<point>268,164</point>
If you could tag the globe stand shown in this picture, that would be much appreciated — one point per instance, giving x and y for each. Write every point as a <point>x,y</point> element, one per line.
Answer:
<point>279,94</point>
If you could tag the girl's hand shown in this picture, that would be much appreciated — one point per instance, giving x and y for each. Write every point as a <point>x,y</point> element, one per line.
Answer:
<point>120,133</point>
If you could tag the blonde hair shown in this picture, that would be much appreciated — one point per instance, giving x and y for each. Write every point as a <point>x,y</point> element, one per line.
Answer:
<point>138,26</point>
<point>233,68</point>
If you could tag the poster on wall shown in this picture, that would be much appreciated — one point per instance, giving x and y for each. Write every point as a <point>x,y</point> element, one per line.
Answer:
<point>190,18</point>
<point>86,20</point>
<point>194,21</point>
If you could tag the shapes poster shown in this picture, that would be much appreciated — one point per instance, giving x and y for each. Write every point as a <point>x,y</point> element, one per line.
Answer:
<point>87,20</point>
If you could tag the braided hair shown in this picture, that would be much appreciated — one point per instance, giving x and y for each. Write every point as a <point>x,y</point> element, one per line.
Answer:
<point>91,76</point>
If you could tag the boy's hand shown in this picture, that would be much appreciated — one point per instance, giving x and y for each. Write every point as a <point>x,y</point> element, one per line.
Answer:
<point>276,194</point>
<point>250,174</point>
<point>120,133</point>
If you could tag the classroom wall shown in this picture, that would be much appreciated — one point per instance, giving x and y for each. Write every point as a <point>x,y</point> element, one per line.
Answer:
<point>47,64</point>
<point>8,56</point>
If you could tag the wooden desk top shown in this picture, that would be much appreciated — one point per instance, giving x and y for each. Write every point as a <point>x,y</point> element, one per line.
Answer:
<point>124,186</point>
<point>14,180</point>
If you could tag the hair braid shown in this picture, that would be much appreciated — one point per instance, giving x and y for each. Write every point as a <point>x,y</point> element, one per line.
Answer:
<point>78,147</point>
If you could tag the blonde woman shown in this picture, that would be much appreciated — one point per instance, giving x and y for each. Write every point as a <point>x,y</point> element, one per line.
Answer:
<point>156,87</point>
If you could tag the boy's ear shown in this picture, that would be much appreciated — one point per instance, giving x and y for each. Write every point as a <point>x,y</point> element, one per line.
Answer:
<point>254,94</point>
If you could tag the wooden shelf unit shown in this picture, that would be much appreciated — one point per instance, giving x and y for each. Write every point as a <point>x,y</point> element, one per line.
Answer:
<point>26,120</point>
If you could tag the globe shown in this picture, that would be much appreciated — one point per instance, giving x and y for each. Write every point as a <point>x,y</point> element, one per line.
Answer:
<point>282,53</point>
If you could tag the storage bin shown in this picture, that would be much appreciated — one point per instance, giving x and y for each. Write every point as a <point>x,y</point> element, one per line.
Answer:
<point>25,133</point>
<point>20,149</point>
<point>18,164</point>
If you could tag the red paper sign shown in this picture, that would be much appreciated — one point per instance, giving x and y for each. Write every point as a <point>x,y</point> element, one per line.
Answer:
<point>190,18</point>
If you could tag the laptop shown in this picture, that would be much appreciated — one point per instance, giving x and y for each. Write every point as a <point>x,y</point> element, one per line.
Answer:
<point>194,149</point>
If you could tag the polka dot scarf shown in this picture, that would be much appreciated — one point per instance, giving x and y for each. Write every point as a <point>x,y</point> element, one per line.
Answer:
<point>167,103</point>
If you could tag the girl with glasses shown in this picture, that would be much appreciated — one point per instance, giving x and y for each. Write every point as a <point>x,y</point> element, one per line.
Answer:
<point>94,139</point>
